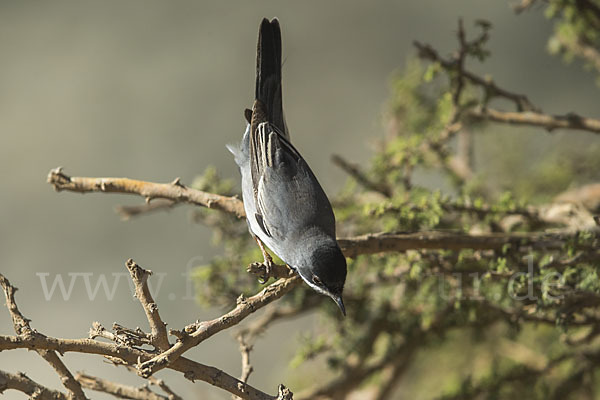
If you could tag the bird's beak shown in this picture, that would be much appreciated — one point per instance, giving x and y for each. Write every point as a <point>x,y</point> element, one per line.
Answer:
<point>338,300</point>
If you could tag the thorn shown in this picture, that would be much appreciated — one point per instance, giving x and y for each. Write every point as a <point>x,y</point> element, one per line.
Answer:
<point>177,182</point>
<point>241,299</point>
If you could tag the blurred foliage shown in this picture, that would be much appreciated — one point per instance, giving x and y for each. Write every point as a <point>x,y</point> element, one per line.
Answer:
<point>521,322</point>
<point>576,31</point>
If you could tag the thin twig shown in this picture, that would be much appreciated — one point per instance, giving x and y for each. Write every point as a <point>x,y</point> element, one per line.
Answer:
<point>276,312</point>
<point>117,389</point>
<point>171,395</point>
<point>128,212</point>
<point>139,276</point>
<point>491,89</point>
<point>355,172</point>
<point>247,368</point>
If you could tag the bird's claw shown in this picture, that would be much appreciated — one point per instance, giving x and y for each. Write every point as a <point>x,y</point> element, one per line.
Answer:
<point>268,266</point>
<point>263,270</point>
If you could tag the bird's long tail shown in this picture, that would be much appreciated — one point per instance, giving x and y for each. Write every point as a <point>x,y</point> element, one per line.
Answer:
<point>268,72</point>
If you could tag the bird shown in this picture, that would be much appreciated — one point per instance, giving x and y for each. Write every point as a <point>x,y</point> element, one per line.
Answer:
<point>286,208</point>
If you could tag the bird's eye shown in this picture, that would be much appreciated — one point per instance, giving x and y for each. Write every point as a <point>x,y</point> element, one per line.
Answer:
<point>316,280</point>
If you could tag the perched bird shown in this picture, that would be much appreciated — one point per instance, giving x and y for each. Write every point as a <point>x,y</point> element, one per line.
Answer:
<point>286,208</point>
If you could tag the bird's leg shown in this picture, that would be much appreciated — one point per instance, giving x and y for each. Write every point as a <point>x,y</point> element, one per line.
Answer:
<point>268,261</point>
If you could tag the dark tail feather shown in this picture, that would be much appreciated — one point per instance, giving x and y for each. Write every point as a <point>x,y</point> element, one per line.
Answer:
<point>268,71</point>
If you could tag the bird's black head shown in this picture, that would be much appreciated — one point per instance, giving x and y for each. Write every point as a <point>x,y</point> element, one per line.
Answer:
<point>326,272</point>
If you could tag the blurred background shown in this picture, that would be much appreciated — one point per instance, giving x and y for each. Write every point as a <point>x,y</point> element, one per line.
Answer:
<point>154,90</point>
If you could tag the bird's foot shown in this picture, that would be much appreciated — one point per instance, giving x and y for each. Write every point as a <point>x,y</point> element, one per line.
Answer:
<point>269,269</point>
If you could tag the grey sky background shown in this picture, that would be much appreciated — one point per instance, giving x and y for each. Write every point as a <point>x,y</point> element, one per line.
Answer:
<point>154,90</point>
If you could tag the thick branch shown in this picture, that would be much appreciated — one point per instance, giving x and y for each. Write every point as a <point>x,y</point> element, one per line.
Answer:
<point>549,122</point>
<point>174,191</point>
<point>142,292</point>
<point>204,330</point>
<point>391,242</point>
<point>23,383</point>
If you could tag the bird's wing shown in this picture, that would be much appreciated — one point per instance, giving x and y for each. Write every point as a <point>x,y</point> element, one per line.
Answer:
<point>287,195</point>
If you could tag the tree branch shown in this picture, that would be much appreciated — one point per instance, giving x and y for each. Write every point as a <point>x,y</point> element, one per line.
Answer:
<point>128,212</point>
<point>491,89</point>
<point>247,368</point>
<point>174,191</point>
<point>192,370</point>
<point>549,122</point>
<point>277,312</point>
<point>23,329</point>
<point>355,172</point>
<point>527,113</point>
<point>203,330</point>
<point>165,388</point>
<point>30,339</point>
<point>67,379</point>
<point>23,383</point>
<point>117,389</point>
<point>158,328</point>
<point>353,246</point>
<point>392,242</point>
